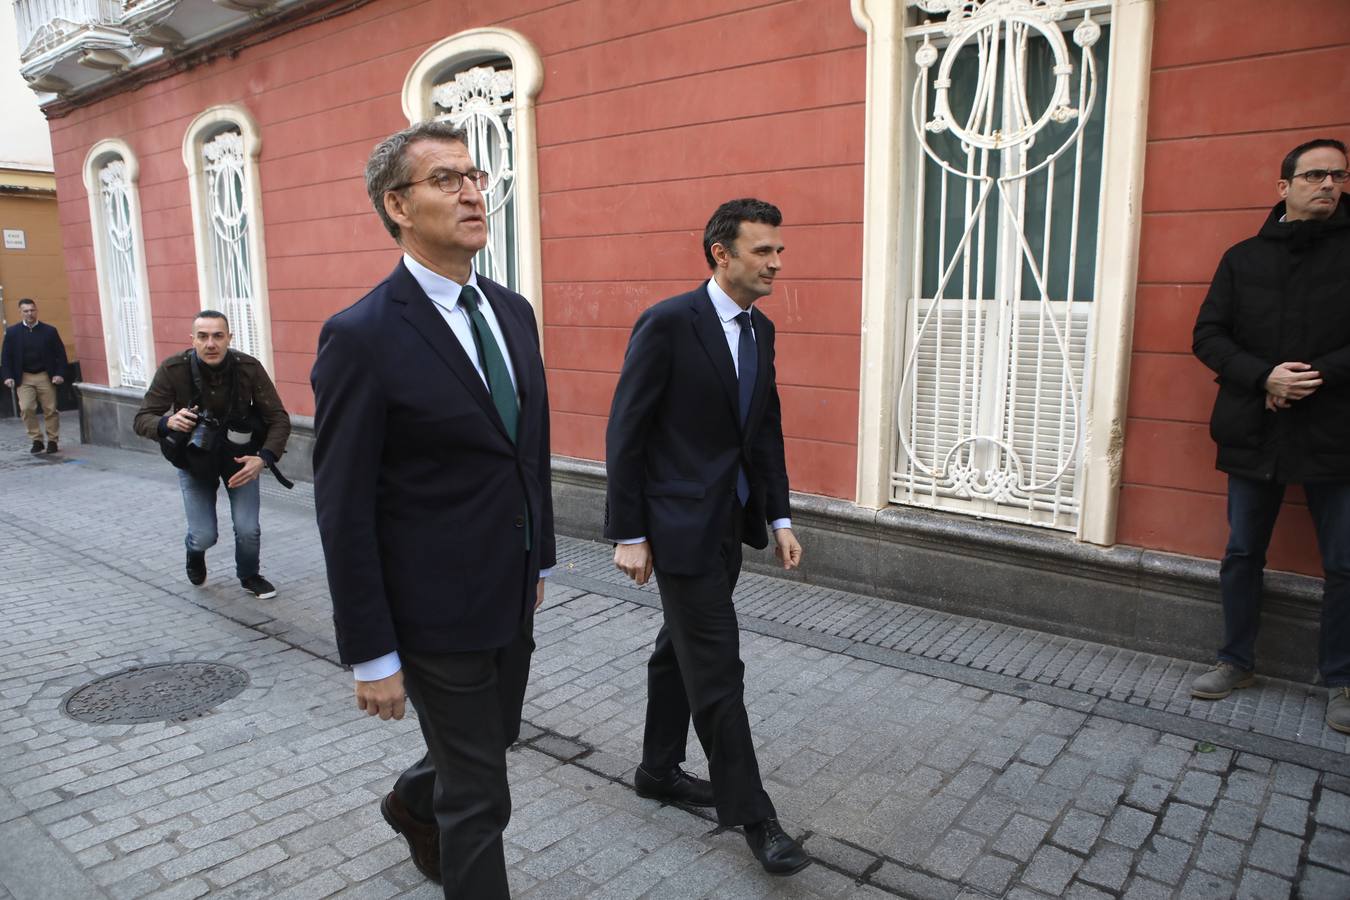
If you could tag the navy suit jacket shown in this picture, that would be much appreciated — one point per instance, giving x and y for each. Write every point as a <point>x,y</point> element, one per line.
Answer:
<point>50,348</point>
<point>674,442</point>
<point>422,498</point>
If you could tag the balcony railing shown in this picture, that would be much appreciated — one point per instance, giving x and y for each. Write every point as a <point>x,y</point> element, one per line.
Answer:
<point>45,24</point>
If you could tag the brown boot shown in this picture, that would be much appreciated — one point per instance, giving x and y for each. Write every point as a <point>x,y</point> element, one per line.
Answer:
<point>424,838</point>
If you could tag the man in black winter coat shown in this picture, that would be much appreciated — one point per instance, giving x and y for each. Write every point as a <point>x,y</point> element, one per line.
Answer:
<point>1275,327</point>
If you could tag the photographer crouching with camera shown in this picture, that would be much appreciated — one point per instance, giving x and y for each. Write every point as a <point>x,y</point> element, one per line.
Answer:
<point>217,417</point>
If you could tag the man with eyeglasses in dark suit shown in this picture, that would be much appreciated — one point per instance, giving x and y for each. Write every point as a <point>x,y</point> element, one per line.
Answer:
<point>1275,328</point>
<point>431,484</point>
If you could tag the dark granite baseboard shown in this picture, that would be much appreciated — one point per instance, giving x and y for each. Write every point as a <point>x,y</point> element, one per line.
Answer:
<point>1125,596</point>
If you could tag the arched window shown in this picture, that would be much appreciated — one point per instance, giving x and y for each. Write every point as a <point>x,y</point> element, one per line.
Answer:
<point>220,151</point>
<point>110,175</point>
<point>485,82</point>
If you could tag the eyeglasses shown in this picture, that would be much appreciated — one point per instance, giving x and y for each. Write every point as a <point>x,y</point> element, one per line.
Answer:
<point>450,181</point>
<point>1317,176</point>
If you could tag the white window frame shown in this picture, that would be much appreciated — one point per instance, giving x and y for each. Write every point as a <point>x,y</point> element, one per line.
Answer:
<point>204,127</point>
<point>99,156</point>
<point>461,51</point>
<point>889,195</point>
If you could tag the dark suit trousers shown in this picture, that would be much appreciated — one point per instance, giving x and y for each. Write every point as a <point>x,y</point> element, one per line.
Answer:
<point>696,667</point>
<point>468,705</point>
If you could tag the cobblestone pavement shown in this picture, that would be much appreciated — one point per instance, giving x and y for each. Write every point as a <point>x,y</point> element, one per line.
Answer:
<point>920,754</point>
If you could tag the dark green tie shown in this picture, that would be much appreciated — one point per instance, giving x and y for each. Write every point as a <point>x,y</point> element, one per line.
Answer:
<point>494,364</point>
<point>498,376</point>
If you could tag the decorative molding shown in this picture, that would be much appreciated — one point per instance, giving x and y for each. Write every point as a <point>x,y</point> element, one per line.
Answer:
<point>887,234</point>
<point>463,50</point>
<point>95,160</point>
<point>206,126</point>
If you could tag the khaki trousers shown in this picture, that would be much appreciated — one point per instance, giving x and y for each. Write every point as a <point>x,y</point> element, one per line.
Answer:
<point>37,388</point>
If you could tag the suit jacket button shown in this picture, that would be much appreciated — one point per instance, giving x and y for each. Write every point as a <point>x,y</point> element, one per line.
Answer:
<point>520,522</point>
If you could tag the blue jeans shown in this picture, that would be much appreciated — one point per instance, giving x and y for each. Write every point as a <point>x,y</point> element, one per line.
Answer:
<point>1252,508</point>
<point>199,502</point>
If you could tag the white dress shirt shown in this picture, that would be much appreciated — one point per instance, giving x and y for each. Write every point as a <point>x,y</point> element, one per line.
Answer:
<point>444,295</point>
<point>727,310</point>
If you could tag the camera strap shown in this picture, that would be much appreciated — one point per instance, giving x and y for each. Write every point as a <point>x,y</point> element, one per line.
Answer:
<point>199,391</point>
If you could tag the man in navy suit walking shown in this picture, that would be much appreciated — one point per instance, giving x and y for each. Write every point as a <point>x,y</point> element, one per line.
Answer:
<point>694,454</point>
<point>431,484</point>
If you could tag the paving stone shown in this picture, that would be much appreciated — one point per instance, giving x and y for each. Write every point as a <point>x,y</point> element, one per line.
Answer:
<point>1320,882</point>
<point>1129,827</point>
<point>1220,855</point>
<point>907,882</point>
<point>1182,822</point>
<point>1141,888</point>
<point>991,874</point>
<point>1237,820</point>
<point>1021,837</point>
<point>1295,780</point>
<point>1258,885</point>
<point>1078,831</point>
<point>1149,792</point>
<point>1204,886</point>
<point>1051,869</point>
<point>1198,788</point>
<point>1108,866</point>
<point>1275,852</point>
<point>1333,809</point>
<point>1285,813</point>
<point>1330,848</point>
<point>1164,859</point>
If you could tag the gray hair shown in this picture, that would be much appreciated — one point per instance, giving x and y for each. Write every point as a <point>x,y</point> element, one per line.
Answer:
<point>388,166</point>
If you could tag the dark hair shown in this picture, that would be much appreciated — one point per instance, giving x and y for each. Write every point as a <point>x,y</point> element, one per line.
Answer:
<point>212,314</point>
<point>1291,161</point>
<point>28,301</point>
<point>725,224</point>
<point>388,166</point>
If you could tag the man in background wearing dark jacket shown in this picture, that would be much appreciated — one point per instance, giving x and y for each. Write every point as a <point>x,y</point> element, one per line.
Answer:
<point>1276,328</point>
<point>34,361</point>
<point>229,393</point>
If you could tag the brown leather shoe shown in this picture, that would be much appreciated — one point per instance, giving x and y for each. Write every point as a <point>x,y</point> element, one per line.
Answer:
<point>424,839</point>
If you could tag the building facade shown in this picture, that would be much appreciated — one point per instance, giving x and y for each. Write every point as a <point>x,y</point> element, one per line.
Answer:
<point>1001,217</point>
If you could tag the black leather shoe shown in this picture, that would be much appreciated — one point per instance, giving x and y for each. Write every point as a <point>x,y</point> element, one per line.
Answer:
<point>52,448</point>
<point>196,566</point>
<point>424,839</point>
<point>677,787</point>
<point>36,448</point>
<point>776,852</point>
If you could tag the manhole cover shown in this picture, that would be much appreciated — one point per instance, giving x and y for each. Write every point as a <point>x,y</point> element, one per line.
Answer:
<point>166,692</point>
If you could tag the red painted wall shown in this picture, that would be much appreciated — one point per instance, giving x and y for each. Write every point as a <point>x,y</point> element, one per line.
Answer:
<point>646,121</point>
<point>1235,85</point>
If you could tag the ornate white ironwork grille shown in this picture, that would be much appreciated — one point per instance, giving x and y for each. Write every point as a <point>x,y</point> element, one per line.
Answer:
<point>122,280</point>
<point>1008,131</point>
<point>479,100</point>
<point>227,232</point>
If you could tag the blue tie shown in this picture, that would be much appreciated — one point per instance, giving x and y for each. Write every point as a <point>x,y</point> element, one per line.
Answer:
<point>747,370</point>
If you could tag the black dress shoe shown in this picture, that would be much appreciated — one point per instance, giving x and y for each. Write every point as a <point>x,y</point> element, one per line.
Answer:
<point>424,839</point>
<point>776,852</point>
<point>677,787</point>
<point>196,566</point>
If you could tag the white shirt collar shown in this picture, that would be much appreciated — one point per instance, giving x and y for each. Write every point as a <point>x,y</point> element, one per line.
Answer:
<point>726,308</point>
<point>438,288</point>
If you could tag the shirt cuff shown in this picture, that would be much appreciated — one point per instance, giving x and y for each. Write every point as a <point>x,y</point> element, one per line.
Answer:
<point>780,523</point>
<point>544,573</point>
<point>375,669</point>
<point>629,540</point>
